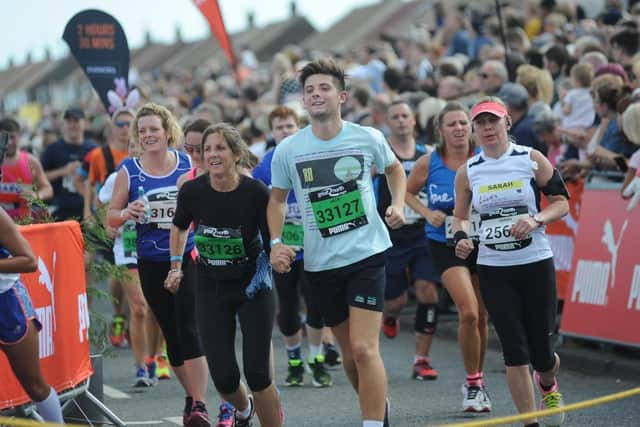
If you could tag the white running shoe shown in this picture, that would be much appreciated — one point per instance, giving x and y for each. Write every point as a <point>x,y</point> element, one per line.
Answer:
<point>474,399</point>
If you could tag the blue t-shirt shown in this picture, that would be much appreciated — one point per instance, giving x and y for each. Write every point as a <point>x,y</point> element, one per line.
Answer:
<point>162,192</point>
<point>333,185</point>
<point>613,140</point>
<point>293,217</point>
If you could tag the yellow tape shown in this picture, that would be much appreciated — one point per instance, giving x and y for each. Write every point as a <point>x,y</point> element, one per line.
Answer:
<point>537,414</point>
<point>23,422</point>
<point>20,422</point>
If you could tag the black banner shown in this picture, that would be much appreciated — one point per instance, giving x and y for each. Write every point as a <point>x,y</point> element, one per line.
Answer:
<point>99,44</point>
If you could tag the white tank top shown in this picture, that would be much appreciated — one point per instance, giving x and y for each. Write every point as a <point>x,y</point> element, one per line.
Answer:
<point>504,190</point>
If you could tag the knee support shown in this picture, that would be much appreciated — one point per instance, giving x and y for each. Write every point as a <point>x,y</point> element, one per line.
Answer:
<point>426,319</point>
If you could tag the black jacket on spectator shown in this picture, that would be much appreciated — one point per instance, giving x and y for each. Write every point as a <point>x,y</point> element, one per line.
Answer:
<point>523,132</point>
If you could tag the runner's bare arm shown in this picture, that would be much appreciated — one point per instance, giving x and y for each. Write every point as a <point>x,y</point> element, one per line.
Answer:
<point>22,259</point>
<point>415,182</point>
<point>281,255</point>
<point>461,212</point>
<point>462,208</point>
<point>397,183</point>
<point>177,243</point>
<point>44,189</point>
<point>119,210</point>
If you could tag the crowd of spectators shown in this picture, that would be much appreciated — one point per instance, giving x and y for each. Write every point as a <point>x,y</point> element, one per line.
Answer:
<point>566,79</point>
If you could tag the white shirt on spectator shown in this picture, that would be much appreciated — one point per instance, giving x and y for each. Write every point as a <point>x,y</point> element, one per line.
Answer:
<point>582,112</point>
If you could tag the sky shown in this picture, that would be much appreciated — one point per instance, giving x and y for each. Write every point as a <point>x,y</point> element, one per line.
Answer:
<point>34,25</point>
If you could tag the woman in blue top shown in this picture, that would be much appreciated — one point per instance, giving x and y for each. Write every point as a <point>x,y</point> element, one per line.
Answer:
<point>434,174</point>
<point>18,323</point>
<point>157,172</point>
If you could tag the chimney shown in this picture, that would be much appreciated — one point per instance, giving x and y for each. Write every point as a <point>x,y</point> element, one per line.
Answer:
<point>178,34</point>
<point>29,58</point>
<point>147,38</point>
<point>47,54</point>
<point>293,8</point>
<point>251,20</point>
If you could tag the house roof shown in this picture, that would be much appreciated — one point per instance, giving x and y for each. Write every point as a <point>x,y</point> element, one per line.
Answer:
<point>264,41</point>
<point>357,28</point>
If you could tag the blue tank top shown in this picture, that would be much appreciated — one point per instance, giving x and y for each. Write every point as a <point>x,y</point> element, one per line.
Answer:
<point>162,192</point>
<point>439,188</point>
<point>4,253</point>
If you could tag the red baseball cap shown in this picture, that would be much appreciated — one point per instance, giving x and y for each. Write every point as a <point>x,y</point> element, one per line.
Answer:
<point>491,107</point>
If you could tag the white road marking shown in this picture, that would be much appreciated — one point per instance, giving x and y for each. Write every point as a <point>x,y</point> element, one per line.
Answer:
<point>175,420</point>
<point>143,423</point>
<point>114,393</point>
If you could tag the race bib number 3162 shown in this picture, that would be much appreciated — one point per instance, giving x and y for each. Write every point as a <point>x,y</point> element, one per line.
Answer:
<point>338,208</point>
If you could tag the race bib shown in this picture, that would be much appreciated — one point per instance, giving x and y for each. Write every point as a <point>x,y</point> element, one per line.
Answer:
<point>495,232</point>
<point>220,247</point>
<point>162,212</point>
<point>338,208</point>
<point>474,227</point>
<point>129,241</point>
<point>293,234</point>
<point>411,216</point>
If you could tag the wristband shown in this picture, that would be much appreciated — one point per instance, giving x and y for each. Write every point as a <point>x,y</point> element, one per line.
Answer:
<point>176,258</point>
<point>274,242</point>
<point>459,235</point>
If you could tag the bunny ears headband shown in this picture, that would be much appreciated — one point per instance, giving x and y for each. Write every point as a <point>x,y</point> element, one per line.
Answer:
<point>119,98</point>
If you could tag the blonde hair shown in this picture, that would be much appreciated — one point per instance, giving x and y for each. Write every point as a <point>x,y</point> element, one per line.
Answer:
<point>538,82</point>
<point>169,122</point>
<point>583,74</point>
<point>635,66</point>
<point>281,65</point>
<point>631,123</point>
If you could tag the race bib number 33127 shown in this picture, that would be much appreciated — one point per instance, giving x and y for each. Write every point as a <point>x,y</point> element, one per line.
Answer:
<point>338,209</point>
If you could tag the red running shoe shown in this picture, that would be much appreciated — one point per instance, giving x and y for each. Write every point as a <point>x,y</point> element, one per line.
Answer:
<point>422,370</point>
<point>390,327</point>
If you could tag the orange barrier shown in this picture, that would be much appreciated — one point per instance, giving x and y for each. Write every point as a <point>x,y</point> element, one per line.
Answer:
<point>603,301</point>
<point>58,292</point>
<point>562,237</point>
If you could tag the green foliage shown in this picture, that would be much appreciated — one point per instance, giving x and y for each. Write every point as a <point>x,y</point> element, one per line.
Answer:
<point>96,239</point>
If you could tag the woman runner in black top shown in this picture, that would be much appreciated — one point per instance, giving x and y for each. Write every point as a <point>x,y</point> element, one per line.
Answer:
<point>229,214</point>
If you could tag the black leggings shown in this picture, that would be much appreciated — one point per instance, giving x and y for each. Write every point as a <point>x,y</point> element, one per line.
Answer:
<point>217,305</point>
<point>175,312</point>
<point>521,300</point>
<point>289,286</point>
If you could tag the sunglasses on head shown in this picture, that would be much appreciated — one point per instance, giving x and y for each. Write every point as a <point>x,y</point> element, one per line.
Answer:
<point>122,123</point>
